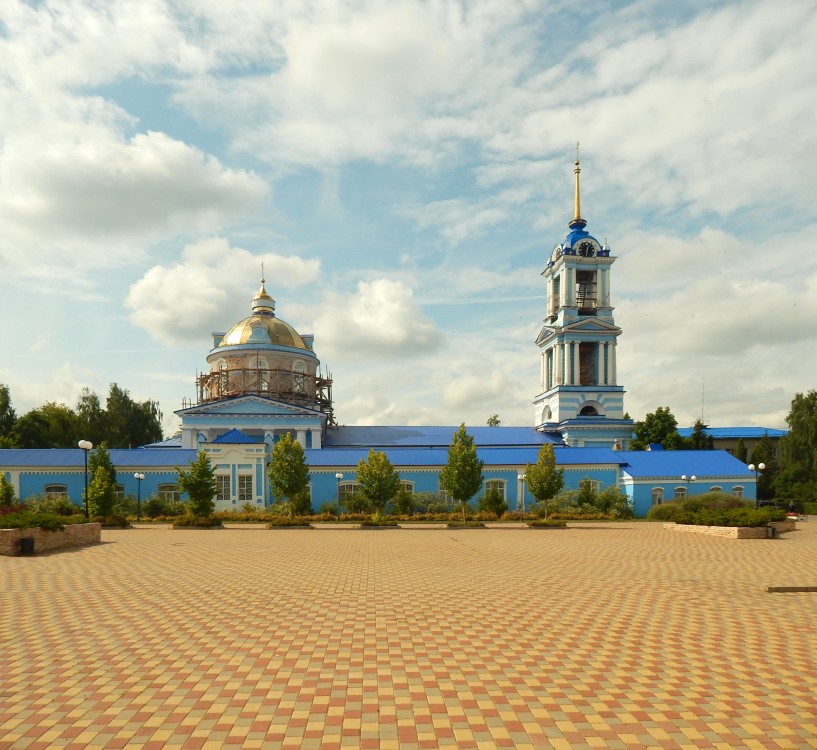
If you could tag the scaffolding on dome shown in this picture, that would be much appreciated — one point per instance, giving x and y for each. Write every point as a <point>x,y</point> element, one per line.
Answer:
<point>291,387</point>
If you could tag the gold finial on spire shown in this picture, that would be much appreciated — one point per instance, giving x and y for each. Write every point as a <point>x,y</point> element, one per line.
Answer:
<point>577,201</point>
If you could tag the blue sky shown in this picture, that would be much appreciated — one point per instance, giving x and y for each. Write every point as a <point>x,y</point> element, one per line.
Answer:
<point>403,169</point>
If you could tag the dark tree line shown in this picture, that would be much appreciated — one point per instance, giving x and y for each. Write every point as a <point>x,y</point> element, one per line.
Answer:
<point>121,423</point>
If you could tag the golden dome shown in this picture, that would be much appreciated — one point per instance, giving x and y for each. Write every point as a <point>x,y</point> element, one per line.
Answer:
<point>263,329</point>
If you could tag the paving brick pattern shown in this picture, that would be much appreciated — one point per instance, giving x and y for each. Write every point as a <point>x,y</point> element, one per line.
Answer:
<point>600,636</point>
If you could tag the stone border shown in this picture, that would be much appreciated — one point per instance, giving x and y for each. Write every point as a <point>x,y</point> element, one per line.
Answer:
<point>737,532</point>
<point>74,535</point>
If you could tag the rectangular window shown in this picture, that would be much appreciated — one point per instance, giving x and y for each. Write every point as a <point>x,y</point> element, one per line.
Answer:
<point>244,489</point>
<point>407,487</point>
<point>222,487</point>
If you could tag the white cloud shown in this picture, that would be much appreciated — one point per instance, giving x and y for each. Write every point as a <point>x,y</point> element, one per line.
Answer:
<point>380,320</point>
<point>209,289</point>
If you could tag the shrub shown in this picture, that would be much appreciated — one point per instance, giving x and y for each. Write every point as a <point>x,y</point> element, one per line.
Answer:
<point>552,523</point>
<point>403,504</point>
<point>157,506</point>
<point>810,508</point>
<point>199,522</point>
<point>430,502</point>
<point>328,509</point>
<point>492,502</point>
<point>280,521</point>
<point>113,521</point>
<point>356,503</point>
<point>664,511</point>
<point>29,519</point>
<point>459,524</point>
<point>743,516</point>
<point>56,504</point>
<point>707,501</point>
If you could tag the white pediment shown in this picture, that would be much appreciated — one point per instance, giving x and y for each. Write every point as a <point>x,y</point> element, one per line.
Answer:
<point>255,406</point>
<point>592,324</point>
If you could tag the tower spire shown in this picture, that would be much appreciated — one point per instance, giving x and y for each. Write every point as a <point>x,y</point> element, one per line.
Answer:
<point>578,221</point>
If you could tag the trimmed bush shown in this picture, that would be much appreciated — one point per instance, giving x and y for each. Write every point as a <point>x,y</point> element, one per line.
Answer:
<point>197,522</point>
<point>287,521</point>
<point>550,523</point>
<point>735,517</point>
<point>30,519</point>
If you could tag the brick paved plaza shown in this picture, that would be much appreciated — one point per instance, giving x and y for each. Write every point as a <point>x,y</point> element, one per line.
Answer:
<point>602,635</point>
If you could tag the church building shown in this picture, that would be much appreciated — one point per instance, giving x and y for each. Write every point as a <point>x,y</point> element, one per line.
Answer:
<point>264,379</point>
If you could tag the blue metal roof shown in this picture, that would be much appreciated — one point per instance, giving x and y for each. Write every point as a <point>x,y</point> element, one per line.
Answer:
<point>432,436</point>
<point>73,457</point>
<point>235,437</point>
<point>676,463</point>
<point>754,433</point>
<point>492,456</point>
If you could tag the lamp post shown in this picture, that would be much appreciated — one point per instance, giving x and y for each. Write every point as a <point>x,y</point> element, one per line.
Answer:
<point>687,479</point>
<point>338,477</point>
<point>521,503</point>
<point>86,445</point>
<point>138,477</point>
<point>756,469</point>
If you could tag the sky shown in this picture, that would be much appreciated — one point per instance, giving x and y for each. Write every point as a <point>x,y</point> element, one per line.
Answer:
<point>403,168</point>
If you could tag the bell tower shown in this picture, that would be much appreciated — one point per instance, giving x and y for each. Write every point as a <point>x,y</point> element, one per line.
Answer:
<point>579,396</point>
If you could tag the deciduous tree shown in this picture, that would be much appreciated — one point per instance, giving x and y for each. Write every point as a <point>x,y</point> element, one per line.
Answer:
<point>6,490</point>
<point>378,481</point>
<point>461,477</point>
<point>798,477</point>
<point>7,417</point>
<point>101,494</point>
<point>658,428</point>
<point>544,480</point>
<point>100,456</point>
<point>288,472</point>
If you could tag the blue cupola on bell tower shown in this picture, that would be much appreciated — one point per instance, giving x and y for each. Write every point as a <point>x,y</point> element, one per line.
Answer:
<point>579,396</point>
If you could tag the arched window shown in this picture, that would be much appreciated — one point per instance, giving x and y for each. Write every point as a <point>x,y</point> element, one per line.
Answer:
<point>593,484</point>
<point>657,495</point>
<point>169,492</point>
<point>407,487</point>
<point>55,490</point>
<point>347,489</point>
<point>716,489</point>
<point>588,411</point>
<point>496,485</point>
<point>737,490</point>
<point>680,492</point>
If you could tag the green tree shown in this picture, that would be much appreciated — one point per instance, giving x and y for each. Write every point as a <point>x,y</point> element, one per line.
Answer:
<point>6,490</point>
<point>129,424</point>
<point>62,425</point>
<point>100,456</point>
<point>378,481</point>
<point>90,417</point>
<point>288,473</point>
<point>741,454</point>
<point>493,420</point>
<point>764,453</point>
<point>461,477</point>
<point>494,502</point>
<point>658,428</point>
<point>199,483</point>
<point>544,480</point>
<point>32,431</point>
<point>700,439</point>
<point>101,494</point>
<point>798,477</point>
<point>7,417</point>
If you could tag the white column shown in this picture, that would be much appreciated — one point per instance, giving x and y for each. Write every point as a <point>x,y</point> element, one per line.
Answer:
<point>316,438</point>
<point>557,364</point>
<point>600,363</point>
<point>577,380</point>
<point>613,363</point>
<point>300,437</point>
